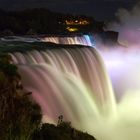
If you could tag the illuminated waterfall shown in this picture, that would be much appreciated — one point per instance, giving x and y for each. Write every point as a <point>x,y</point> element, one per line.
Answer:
<point>86,40</point>
<point>68,81</point>
<point>72,81</point>
<point>81,40</point>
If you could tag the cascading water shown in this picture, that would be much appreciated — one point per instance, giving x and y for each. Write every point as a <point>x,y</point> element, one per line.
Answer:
<point>87,40</point>
<point>82,40</point>
<point>68,81</point>
<point>72,81</point>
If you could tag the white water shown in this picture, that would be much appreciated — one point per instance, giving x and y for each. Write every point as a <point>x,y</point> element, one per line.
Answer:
<point>81,40</point>
<point>73,82</point>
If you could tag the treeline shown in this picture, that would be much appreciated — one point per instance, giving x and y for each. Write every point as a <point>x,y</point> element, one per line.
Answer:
<point>20,117</point>
<point>42,21</point>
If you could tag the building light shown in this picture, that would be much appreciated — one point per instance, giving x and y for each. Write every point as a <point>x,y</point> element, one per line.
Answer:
<point>70,29</point>
<point>77,22</point>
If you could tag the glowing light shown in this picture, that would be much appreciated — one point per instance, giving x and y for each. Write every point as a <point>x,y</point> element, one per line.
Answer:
<point>70,29</point>
<point>82,40</point>
<point>90,41</point>
<point>77,22</point>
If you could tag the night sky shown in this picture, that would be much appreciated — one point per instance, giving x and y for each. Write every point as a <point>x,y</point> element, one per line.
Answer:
<point>100,9</point>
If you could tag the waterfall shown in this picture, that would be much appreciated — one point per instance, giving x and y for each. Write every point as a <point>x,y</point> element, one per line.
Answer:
<point>81,40</point>
<point>86,40</point>
<point>68,81</point>
<point>71,80</point>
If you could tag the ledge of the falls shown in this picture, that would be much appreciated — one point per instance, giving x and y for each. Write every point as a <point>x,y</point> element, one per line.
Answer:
<point>19,46</point>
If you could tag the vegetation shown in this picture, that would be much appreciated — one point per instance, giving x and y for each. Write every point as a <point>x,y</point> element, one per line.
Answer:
<point>19,117</point>
<point>63,131</point>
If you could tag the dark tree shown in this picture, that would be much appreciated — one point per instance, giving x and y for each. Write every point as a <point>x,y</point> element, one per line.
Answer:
<point>19,117</point>
<point>63,131</point>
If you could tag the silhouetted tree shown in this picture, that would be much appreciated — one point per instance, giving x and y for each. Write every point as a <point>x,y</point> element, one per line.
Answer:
<point>19,117</point>
<point>63,131</point>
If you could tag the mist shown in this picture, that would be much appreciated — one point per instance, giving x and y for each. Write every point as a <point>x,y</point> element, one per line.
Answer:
<point>128,25</point>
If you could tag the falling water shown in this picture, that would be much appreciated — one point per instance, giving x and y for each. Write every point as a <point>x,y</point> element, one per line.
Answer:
<point>68,81</point>
<point>87,40</point>
<point>72,81</point>
<point>82,40</point>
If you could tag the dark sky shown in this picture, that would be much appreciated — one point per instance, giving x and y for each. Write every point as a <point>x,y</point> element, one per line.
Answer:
<point>100,9</point>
